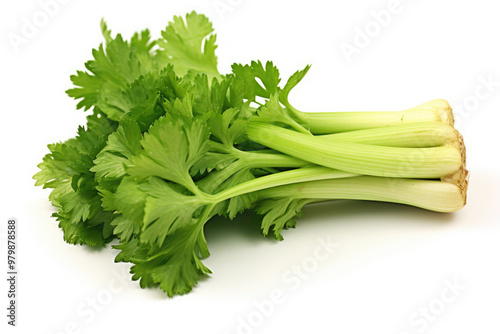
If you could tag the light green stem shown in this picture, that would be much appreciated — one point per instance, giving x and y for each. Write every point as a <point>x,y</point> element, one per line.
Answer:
<point>273,180</point>
<point>249,160</point>
<point>424,134</point>
<point>430,162</point>
<point>428,194</point>
<point>331,122</point>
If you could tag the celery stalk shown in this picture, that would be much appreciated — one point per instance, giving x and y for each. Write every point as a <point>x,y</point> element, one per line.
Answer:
<point>429,162</point>
<point>331,122</point>
<point>427,194</point>
<point>422,134</point>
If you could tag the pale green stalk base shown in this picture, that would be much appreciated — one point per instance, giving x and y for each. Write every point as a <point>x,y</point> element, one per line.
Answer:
<point>422,134</point>
<point>331,122</point>
<point>427,194</point>
<point>429,162</point>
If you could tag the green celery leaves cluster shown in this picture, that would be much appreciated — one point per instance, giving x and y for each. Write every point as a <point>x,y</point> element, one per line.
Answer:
<point>156,148</point>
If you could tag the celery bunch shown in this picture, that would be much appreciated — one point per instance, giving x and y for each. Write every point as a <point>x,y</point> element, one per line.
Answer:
<point>171,143</point>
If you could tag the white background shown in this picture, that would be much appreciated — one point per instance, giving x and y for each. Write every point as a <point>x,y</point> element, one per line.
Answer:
<point>392,262</point>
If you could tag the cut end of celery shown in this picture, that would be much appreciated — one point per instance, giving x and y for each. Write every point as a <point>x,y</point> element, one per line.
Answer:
<point>441,108</point>
<point>461,177</point>
<point>445,112</point>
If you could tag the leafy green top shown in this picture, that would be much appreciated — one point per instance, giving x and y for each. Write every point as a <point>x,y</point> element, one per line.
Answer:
<point>166,138</point>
